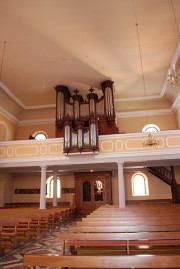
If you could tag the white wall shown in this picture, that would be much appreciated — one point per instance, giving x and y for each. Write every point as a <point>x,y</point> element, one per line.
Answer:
<point>157,188</point>
<point>6,188</point>
<point>34,181</point>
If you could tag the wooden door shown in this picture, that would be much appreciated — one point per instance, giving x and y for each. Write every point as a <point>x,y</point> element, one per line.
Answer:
<point>92,190</point>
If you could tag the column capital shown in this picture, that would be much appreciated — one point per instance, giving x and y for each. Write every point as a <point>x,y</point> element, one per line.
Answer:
<point>120,162</point>
<point>43,166</point>
<point>55,170</point>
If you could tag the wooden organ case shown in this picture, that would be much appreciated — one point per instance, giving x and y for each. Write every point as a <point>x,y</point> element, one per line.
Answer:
<point>92,189</point>
<point>80,121</point>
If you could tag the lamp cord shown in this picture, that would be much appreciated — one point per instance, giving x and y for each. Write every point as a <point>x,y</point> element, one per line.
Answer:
<point>2,61</point>
<point>140,53</point>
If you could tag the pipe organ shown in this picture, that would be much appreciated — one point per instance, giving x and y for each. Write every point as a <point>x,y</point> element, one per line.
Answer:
<point>80,121</point>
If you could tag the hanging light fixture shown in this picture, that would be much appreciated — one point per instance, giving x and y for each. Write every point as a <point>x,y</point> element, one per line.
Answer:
<point>150,141</point>
<point>173,77</point>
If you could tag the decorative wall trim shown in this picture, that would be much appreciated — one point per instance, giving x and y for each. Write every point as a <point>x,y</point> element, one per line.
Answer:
<point>143,113</point>
<point>113,148</point>
<point>68,190</point>
<point>27,191</point>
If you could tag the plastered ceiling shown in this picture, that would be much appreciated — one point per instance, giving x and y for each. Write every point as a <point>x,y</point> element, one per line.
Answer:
<point>81,43</point>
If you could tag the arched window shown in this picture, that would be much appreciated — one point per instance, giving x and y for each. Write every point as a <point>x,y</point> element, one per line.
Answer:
<point>49,187</point>
<point>150,128</point>
<point>40,135</point>
<point>139,183</point>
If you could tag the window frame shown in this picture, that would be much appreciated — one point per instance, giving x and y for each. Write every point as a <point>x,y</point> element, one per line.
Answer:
<point>40,133</point>
<point>49,187</point>
<point>151,127</point>
<point>146,185</point>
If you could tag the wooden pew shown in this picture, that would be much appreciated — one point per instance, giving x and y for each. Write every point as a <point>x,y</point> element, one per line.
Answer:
<point>87,228</point>
<point>111,240</point>
<point>36,212</point>
<point>22,233</point>
<point>18,225</point>
<point>134,261</point>
<point>102,207</point>
<point>52,216</point>
<point>115,222</point>
<point>135,210</point>
<point>133,216</point>
<point>126,221</point>
<point>130,215</point>
<point>12,235</point>
<point>8,240</point>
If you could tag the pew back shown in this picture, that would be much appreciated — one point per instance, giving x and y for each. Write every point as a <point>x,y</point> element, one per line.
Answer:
<point>134,261</point>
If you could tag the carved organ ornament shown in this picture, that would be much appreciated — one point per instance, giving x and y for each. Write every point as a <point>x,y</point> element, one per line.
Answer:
<point>80,121</point>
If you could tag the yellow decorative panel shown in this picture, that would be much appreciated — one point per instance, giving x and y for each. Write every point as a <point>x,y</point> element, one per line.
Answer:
<point>43,150</point>
<point>137,145</point>
<point>10,151</point>
<point>107,146</point>
<point>133,144</point>
<point>173,141</point>
<point>55,149</point>
<point>22,151</point>
<point>119,145</point>
<point>2,152</point>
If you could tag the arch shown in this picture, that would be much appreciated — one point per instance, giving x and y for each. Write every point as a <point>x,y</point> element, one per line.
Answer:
<point>3,131</point>
<point>40,135</point>
<point>151,128</point>
<point>139,183</point>
<point>49,187</point>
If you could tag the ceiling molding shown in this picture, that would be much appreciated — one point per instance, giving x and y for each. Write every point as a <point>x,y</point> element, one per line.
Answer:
<point>137,98</point>
<point>176,103</point>
<point>21,104</point>
<point>36,122</point>
<point>164,88</point>
<point>9,93</point>
<point>41,106</point>
<point>8,115</point>
<point>143,113</point>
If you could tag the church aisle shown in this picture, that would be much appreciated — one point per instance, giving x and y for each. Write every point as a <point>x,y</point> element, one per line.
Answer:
<point>47,243</point>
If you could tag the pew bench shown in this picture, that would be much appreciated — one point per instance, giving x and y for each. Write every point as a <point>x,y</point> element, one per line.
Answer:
<point>162,216</point>
<point>113,222</point>
<point>12,235</point>
<point>22,233</point>
<point>137,211</point>
<point>8,240</point>
<point>87,228</point>
<point>18,225</point>
<point>24,229</point>
<point>131,261</point>
<point>111,242</point>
